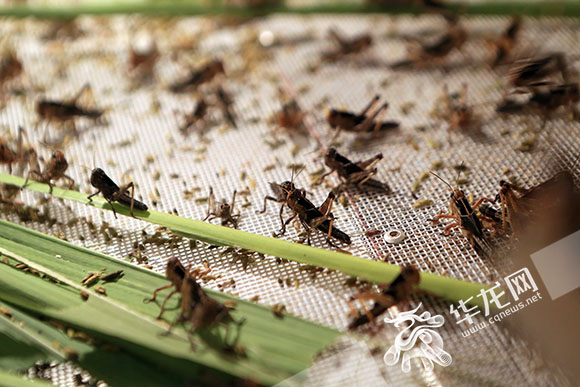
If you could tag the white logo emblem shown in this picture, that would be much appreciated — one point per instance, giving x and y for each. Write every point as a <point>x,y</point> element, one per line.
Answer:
<point>430,347</point>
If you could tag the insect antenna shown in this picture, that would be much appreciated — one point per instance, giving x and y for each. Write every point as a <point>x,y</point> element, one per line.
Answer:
<point>94,165</point>
<point>440,178</point>
<point>459,173</point>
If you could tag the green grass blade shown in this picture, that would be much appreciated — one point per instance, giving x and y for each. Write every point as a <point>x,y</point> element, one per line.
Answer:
<point>379,272</point>
<point>276,348</point>
<point>10,379</point>
<point>46,342</point>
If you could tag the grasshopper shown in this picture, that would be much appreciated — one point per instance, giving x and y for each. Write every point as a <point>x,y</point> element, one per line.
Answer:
<point>426,54</point>
<point>465,217</point>
<point>346,46</point>
<point>113,193</point>
<point>65,111</point>
<point>175,272</point>
<point>523,208</point>
<point>503,46</point>
<point>533,72</point>
<point>395,293</point>
<point>198,77</point>
<point>359,174</point>
<point>55,169</point>
<point>310,216</point>
<point>222,210</point>
<point>361,123</point>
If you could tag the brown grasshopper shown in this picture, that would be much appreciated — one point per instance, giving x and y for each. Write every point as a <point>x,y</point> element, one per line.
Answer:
<point>361,123</point>
<point>66,111</point>
<point>291,116</point>
<point>20,155</point>
<point>395,293</point>
<point>310,216</point>
<point>545,100</point>
<point>221,210</point>
<point>112,193</point>
<point>422,55</point>
<point>533,72</point>
<point>465,217</point>
<point>346,47</point>
<point>503,46</point>
<point>55,169</point>
<point>200,310</point>
<point>224,102</point>
<point>9,156</point>
<point>524,208</point>
<point>565,95</point>
<point>10,67</point>
<point>176,273</point>
<point>198,77</point>
<point>457,112</point>
<point>197,115</point>
<point>197,308</point>
<point>359,173</point>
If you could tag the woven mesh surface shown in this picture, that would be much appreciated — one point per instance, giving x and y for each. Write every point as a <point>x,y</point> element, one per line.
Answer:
<point>140,141</point>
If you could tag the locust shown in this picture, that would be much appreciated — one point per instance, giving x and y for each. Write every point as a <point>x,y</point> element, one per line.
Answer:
<point>21,154</point>
<point>10,67</point>
<point>426,54</point>
<point>564,95</point>
<point>55,169</point>
<point>197,308</point>
<point>346,46</point>
<point>65,111</point>
<point>534,71</point>
<point>113,193</point>
<point>359,173</point>
<point>395,293</point>
<point>221,210</point>
<point>197,115</point>
<point>361,123</point>
<point>549,206</point>
<point>176,273</point>
<point>465,217</point>
<point>545,100</point>
<point>457,112</point>
<point>290,116</point>
<point>225,104</point>
<point>198,77</point>
<point>202,311</point>
<point>503,46</point>
<point>309,216</point>
<point>10,156</point>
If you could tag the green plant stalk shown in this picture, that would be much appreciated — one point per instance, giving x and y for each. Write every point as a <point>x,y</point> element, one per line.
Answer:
<point>176,8</point>
<point>379,272</point>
